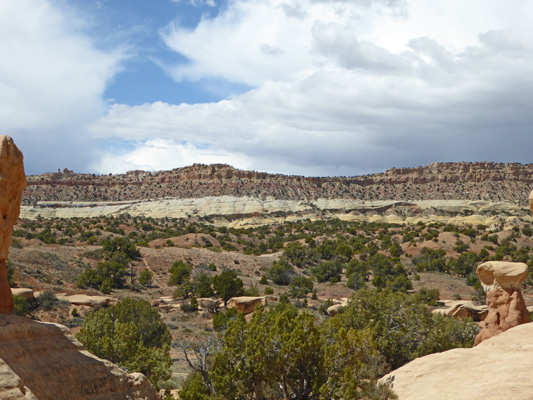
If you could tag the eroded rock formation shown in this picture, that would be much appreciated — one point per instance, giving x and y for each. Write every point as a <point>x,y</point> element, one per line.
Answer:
<point>42,361</point>
<point>12,183</point>
<point>246,304</point>
<point>502,281</point>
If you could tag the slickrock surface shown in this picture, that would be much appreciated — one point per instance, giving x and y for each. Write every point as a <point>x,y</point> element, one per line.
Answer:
<point>499,368</point>
<point>38,361</point>
<point>12,183</point>
<point>502,281</point>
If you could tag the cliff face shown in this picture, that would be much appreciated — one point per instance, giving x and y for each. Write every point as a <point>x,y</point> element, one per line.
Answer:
<point>41,361</point>
<point>439,181</point>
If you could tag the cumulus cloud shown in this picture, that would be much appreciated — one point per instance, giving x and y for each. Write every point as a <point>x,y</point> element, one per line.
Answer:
<point>51,82</point>
<point>346,87</point>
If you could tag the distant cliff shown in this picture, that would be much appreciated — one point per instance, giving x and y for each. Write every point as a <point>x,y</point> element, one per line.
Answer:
<point>488,181</point>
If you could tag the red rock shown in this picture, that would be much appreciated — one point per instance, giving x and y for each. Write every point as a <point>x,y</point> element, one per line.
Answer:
<point>12,183</point>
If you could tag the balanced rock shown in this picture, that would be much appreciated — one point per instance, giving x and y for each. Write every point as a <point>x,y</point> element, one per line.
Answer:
<point>246,304</point>
<point>501,281</point>
<point>531,201</point>
<point>12,183</point>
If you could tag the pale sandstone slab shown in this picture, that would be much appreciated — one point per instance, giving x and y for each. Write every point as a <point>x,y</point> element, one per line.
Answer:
<point>498,368</point>
<point>86,300</point>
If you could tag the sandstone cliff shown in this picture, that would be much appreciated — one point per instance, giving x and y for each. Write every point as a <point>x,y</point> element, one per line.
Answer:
<point>439,181</point>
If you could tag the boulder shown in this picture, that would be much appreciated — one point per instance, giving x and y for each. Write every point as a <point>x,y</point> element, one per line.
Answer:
<point>24,293</point>
<point>498,368</point>
<point>246,304</point>
<point>501,281</point>
<point>85,300</point>
<point>12,183</point>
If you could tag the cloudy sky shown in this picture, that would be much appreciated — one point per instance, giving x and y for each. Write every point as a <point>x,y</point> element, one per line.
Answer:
<point>307,87</point>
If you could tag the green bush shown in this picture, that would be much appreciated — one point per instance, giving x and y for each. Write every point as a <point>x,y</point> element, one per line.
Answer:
<point>146,277</point>
<point>132,335</point>
<point>281,272</point>
<point>179,273</point>
<point>227,285</point>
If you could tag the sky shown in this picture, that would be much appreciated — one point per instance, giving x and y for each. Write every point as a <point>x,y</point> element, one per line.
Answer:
<point>300,87</point>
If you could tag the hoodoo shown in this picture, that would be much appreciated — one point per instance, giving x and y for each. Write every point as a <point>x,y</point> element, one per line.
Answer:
<point>12,183</point>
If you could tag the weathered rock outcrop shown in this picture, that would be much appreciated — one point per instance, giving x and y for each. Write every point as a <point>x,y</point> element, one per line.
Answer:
<point>501,281</point>
<point>462,309</point>
<point>531,201</point>
<point>12,183</point>
<point>41,361</point>
<point>498,368</point>
<point>86,300</point>
<point>246,304</point>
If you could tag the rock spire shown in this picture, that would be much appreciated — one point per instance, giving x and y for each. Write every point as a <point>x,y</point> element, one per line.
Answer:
<point>12,183</point>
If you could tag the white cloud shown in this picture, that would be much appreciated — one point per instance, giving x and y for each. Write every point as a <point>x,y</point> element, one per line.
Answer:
<point>51,81</point>
<point>165,154</point>
<point>346,87</point>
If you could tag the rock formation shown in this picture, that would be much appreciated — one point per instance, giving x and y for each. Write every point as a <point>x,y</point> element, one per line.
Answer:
<point>462,309</point>
<point>246,304</point>
<point>41,361</point>
<point>531,201</point>
<point>501,281</point>
<point>497,369</point>
<point>12,183</point>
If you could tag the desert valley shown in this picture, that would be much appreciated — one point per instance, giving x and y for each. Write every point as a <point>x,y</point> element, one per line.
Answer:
<point>220,254</point>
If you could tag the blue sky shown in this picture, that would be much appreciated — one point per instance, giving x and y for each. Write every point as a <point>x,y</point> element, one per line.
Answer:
<point>307,87</point>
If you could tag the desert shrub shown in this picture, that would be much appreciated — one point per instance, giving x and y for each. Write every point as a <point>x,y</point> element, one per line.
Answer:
<point>403,327</point>
<point>48,301</point>
<point>269,290</point>
<point>190,306</point>
<point>110,273</point>
<point>201,285</point>
<point>132,335</point>
<point>328,271</point>
<point>227,285</point>
<point>428,296</point>
<point>316,361</point>
<point>21,306</point>
<point>146,277</point>
<point>430,260</point>
<point>221,319</point>
<point>300,287</point>
<point>179,273</point>
<point>281,272</point>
